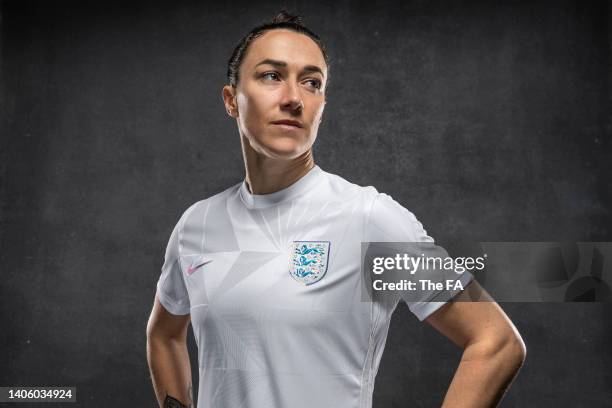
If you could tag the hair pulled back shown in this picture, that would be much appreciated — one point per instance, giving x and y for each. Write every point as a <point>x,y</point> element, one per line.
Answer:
<point>283,20</point>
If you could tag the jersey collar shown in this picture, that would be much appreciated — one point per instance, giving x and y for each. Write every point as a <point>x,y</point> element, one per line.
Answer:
<point>266,200</point>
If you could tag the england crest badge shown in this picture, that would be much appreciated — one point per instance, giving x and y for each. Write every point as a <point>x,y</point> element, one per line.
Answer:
<point>309,260</point>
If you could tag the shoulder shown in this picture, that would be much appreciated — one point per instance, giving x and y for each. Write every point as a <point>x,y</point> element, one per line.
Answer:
<point>385,218</point>
<point>379,203</point>
<point>198,209</point>
<point>346,190</point>
<point>388,220</point>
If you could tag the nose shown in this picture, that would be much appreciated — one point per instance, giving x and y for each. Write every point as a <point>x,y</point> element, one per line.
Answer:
<point>292,98</point>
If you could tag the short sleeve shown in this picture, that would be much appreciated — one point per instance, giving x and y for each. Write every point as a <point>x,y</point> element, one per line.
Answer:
<point>388,221</point>
<point>171,289</point>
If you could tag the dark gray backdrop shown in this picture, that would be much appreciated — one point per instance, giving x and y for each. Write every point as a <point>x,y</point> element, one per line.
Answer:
<point>491,121</point>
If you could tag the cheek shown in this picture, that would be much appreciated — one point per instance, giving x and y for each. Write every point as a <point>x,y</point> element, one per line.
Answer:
<point>252,110</point>
<point>245,105</point>
<point>246,114</point>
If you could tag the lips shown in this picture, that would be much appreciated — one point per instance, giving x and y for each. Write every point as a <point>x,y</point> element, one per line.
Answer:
<point>288,122</point>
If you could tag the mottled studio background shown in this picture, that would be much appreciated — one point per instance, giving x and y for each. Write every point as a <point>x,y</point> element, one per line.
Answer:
<point>490,120</point>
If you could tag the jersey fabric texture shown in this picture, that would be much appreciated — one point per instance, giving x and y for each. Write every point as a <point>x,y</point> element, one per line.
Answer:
<point>266,337</point>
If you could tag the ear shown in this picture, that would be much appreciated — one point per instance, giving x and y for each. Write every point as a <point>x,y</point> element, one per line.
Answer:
<point>229,100</point>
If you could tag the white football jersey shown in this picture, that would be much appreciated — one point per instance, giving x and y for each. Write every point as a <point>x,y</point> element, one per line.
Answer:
<point>272,283</point>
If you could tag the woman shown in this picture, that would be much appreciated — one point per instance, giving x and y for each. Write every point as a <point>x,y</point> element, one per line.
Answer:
<point>267,271</point>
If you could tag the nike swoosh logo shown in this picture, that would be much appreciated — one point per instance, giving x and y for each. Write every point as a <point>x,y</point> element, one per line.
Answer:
<point>194,267</point>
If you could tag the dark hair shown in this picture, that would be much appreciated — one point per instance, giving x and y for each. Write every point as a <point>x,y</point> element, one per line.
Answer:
<point>282,20</point>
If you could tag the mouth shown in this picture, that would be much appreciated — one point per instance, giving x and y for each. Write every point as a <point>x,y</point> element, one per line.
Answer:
<point>288,123</point>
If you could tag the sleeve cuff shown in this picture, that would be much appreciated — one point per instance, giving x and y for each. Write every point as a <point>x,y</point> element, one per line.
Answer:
<point>175,308</point>
<point>423,310</point>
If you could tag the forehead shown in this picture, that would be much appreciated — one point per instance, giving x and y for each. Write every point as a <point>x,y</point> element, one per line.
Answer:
<point>285,45</point>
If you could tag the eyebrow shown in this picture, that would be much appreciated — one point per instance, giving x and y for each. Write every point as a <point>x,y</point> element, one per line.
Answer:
<point>282,64</point>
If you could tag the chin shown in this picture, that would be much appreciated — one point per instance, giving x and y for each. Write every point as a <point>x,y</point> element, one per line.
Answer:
<point>284,154</point>
<point>282,148</point>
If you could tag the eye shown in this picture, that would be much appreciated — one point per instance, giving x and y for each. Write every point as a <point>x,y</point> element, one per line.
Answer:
<point>270,75</point>
<point>314,83</point>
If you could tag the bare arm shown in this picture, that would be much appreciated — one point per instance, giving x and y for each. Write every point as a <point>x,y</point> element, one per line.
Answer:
<point>168,357</point>
<point>493,349</point>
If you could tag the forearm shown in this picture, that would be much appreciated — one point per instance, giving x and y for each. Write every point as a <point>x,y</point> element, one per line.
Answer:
<point>170,369</point>
<point>484,374</point>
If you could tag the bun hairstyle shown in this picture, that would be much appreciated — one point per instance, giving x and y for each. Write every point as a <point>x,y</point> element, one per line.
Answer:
<point>283,16</point>
<point>282,20</point>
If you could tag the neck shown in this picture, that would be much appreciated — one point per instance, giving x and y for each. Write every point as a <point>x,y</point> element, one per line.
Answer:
<point>265,175</point>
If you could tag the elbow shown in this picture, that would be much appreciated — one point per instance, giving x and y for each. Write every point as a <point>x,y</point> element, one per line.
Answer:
<point>508,350</point>
<point>515,346</point>
<point>512,351</point>
<point>518,350</point>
